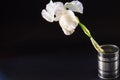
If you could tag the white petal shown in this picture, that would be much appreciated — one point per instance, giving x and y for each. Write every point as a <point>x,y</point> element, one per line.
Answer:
<point>66,32</point>
<point>58,15</point>
<point>52,10</point>
<point>47,16</point>
<point>59,8</point>
<point>68,22</point>
<point>75,6</point>
<point>50,7</point>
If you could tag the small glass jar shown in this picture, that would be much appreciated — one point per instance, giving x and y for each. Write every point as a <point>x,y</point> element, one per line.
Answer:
<point>108,62</point>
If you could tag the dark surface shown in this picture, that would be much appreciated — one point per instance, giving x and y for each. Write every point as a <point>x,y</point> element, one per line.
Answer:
<point>34,49</point>
<point>62,66</point>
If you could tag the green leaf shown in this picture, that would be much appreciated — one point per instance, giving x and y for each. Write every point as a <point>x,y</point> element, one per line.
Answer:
<point>86,31</point>
<point>96,45</point>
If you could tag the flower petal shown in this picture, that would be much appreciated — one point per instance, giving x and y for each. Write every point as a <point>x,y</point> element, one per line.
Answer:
<point>75,6</point>
<point>47,16</point>
<point>52,10</point>
<point>50,7</point>
<point>59,8</point>
<point>68,22</point>
<point>66,32</point>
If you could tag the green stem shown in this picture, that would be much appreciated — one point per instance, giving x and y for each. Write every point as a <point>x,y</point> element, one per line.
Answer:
<point>87,32</point>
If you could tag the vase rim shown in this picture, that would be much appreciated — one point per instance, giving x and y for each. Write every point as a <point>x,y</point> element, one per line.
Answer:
<point>114,48</point>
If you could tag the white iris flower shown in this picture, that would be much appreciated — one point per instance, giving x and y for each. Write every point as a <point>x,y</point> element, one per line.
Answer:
<point>57,11</point>
<point>64,13</point>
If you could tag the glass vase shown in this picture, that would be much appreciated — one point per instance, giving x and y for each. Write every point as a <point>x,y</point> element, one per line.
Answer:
<point>108,62</point>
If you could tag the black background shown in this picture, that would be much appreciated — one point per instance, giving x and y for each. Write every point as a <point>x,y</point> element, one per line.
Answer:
<point>32,48</point>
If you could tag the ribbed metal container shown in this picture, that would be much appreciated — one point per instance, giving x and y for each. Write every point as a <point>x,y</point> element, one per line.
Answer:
<point>108,62</point>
